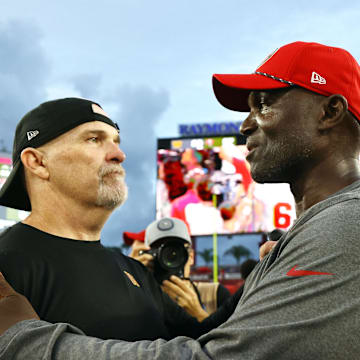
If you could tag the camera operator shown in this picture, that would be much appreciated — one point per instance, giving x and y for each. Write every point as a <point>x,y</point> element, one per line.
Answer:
<point>168,242</point>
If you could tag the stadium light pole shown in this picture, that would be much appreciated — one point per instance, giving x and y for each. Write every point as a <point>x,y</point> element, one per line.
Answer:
<point>215,247</point>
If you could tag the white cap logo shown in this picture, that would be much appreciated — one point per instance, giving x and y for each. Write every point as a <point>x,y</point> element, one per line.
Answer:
<point>32,134</point>
<point>317,79</point>
<point>165,224</point>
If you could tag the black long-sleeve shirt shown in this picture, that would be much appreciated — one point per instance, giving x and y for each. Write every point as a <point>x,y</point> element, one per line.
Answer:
<point>97,289</point>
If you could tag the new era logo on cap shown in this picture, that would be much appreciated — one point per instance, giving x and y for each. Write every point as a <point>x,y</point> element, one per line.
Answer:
<point>317,79</point>
<point>325,70</point>
<point>31,134</point>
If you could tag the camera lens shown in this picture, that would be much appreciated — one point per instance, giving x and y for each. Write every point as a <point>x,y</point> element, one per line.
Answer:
<point>173,255</point>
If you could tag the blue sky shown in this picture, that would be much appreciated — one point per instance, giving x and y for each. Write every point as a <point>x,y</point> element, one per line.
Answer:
<point>149,64</point>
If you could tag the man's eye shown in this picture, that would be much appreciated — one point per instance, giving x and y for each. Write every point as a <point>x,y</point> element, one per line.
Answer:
<point>262,101</point>
<point>93,139</point>
<point>259,101</point>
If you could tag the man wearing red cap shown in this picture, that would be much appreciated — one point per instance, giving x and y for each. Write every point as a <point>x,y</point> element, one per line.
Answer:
<point>302,301</point>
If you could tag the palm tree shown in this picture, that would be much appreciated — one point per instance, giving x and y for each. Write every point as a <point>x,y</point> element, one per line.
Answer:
<point>3,147</point>
<point>238,251</point>
<point>207,255</point>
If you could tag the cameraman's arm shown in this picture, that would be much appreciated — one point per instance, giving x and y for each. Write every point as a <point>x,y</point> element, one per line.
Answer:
<point>223,313</point>
<point>176,319</point>
<point>183,293</point>
<point>179,322</point>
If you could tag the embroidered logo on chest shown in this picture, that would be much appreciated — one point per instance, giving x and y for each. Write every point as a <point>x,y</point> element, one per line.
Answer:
<point>132,279</point>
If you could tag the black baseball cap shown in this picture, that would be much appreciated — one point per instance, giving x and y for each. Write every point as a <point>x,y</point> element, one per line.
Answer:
<point>39,126</point>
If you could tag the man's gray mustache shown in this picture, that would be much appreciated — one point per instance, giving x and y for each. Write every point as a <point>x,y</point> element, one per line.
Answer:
<point>112,169</point>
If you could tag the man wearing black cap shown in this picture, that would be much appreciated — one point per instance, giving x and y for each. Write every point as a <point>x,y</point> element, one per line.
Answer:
<point>41,130</point>
<point>67,172</point>
<point>302,301</point>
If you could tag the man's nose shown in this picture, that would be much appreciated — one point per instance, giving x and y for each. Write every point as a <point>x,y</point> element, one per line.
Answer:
<point>249,125</point>
<point>115,154</point>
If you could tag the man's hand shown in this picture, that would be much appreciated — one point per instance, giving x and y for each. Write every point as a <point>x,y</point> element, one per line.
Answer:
<point>136,253</point>
<point>13,306</point>
<point>266,248</point>
<point>182,292</point>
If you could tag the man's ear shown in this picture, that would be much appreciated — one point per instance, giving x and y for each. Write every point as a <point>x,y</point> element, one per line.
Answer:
<point>34,161</point>
<point>335,108</point>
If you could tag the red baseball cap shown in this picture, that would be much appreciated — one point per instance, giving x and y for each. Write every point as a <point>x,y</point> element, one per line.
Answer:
<point>130,237</point>
<point>319,68</point>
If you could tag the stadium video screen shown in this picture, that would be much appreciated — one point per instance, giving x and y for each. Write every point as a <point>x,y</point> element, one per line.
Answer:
<point>232,249</point>
<point>8,216</point>
<point>233,252</point>
<point>207,183</point>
